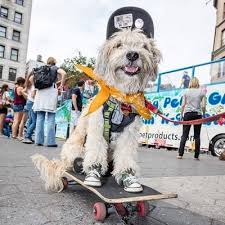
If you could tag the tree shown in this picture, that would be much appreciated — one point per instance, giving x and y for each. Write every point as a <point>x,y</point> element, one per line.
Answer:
<point>73,75</point>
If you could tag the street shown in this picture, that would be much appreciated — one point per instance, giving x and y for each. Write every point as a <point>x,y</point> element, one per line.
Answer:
<point>199,185</point>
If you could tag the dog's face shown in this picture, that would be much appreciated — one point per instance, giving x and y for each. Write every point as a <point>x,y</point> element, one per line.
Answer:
<point>127,61</point>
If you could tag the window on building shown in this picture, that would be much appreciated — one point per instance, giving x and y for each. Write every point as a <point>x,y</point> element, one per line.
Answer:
<point>223,10</point>
<point>19,2</point>
<point>1,71</point>
<point>223,38</point>
<point>3,31</point>
<point>16,35</point>
<point>221,70</point>
<point>3,12</point>
<point>223,73</point>
<point>14,54</point>
<point>2,51</point>
<point>12,74</point>
<point>18,17</point>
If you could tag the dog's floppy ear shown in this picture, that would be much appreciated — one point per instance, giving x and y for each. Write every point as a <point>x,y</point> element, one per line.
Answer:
<point>155,51</point>
<point>157,56</point>
<point>103,58</point>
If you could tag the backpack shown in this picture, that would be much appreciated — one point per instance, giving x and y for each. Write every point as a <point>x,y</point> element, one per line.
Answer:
<point>43,77</point>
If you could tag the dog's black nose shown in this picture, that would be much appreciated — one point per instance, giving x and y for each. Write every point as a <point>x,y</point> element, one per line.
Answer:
<point>132,56</point>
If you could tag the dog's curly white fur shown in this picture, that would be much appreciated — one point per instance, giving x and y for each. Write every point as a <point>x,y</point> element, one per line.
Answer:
<point>87,140</point>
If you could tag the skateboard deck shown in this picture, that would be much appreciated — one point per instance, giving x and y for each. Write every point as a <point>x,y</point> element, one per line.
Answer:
<point>111,192</point>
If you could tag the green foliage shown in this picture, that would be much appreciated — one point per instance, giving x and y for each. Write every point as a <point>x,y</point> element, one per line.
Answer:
<point>73,75</point>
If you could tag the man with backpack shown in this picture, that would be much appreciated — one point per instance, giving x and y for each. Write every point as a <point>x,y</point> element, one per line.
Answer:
<point>45,102</point>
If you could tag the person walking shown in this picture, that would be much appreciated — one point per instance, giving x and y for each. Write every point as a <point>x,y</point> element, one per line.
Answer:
<point>4,103</point>
<point>45,103</point>
<point>77,103</point>
<point>18,107</point>
<point>193,106</point>
<point>32,116</point>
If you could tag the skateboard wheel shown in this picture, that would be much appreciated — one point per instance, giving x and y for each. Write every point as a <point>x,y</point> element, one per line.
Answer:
<point>120,209</point>
<point>143,208</point>
<point>65,182</point>
<point>99,211</point>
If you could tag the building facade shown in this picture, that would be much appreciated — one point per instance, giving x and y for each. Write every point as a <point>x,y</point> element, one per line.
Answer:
<point>32,64</point>
<point>15,18</point>
<point>218,70</point>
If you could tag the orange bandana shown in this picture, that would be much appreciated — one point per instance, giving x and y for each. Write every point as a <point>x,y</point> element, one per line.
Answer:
<point>137,100</point>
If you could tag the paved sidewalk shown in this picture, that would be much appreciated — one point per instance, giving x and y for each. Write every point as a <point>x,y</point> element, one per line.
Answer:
<point>200,186</point>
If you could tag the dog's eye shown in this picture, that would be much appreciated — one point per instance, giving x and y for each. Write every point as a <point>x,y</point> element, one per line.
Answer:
<point>145,47</point>
<point>119,45</point>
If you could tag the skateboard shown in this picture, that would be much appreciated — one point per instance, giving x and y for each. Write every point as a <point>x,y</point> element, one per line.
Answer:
<point>115,199</point>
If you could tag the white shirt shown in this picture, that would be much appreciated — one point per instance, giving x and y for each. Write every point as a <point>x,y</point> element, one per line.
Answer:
<point>30,93</point>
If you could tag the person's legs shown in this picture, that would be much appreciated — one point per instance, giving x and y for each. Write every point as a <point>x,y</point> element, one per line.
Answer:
<point>51,129</point>
<point>197,131</point>
<point>2,119</point>
<point>16,122</point>
<point>39,133</point>
<point>21,125</point>
<point>29,106</point>
<point>76,117</point>
<point>72,121</point>
<point>186,129</point>
<point>31,127</point>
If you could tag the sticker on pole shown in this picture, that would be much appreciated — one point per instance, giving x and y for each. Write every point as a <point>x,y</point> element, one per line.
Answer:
<point>123,21</point>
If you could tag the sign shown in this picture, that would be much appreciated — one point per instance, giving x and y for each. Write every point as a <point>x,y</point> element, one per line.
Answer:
<point>159,131</point>
<point>63,116</point>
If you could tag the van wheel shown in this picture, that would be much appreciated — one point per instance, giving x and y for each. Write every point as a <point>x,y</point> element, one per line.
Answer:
<point>218,145</point>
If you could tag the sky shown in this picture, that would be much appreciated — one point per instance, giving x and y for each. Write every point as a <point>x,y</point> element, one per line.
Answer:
<point>184,30</point>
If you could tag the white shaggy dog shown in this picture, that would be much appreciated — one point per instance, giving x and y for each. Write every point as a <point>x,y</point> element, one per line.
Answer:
<point>126,61</point>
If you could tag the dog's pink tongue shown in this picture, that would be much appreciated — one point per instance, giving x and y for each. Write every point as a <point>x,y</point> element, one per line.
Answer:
<point>131,69</point>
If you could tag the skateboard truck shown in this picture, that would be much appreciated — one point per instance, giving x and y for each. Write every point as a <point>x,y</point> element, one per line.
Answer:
<point>125,211</point>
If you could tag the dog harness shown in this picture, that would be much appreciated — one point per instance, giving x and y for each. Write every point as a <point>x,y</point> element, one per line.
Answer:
<point>114,118</point>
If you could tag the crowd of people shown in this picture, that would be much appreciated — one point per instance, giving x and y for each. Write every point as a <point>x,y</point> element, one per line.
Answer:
<point>25,113</point>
